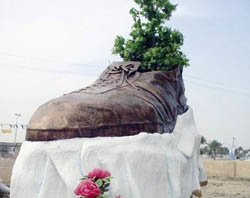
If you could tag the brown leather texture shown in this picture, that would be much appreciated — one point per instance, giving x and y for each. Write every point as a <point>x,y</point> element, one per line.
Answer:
<point>121,102</point>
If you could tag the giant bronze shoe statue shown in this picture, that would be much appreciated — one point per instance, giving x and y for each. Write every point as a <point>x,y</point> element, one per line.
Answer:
<point>121,102</point>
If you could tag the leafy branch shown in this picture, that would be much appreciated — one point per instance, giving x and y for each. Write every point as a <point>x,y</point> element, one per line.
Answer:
<point>157,47</point>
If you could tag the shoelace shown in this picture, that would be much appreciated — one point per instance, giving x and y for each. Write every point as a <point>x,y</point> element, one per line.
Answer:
<point>126,71</point>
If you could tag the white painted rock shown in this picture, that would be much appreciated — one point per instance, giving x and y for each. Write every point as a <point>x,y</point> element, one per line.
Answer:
<point>143,166</point>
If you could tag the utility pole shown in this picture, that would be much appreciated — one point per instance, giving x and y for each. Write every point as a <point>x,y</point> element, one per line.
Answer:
<point>234,139</point>
<point>17,116</point>
<point>233,147</point>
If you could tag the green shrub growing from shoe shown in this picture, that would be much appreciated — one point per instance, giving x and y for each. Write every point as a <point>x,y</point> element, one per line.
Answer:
<point>157,47</point>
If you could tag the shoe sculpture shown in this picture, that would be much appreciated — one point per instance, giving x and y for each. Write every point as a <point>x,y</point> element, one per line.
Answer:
<point>121,102</point>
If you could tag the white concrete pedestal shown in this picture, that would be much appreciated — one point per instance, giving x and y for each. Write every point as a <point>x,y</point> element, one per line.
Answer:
<point>143,166</point>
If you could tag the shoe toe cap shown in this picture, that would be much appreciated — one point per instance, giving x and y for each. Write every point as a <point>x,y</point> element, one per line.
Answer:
<point>66,113</point>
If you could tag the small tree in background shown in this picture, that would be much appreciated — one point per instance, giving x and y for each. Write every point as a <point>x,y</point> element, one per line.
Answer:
<point>157,47</point>
<point>203,140</point>
<point>214,147</point>
<point>241,153</point>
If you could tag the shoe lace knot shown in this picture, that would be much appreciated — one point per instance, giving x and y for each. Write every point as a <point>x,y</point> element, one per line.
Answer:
<point>126,71</point>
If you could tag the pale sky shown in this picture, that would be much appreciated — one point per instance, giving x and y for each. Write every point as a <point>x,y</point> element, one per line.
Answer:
<point>48,48</point>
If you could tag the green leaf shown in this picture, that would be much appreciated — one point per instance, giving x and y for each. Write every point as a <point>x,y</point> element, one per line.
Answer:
<point>106,180</point>
<point>104,196</point>
<point>99,182</point>
<point>84,178</point>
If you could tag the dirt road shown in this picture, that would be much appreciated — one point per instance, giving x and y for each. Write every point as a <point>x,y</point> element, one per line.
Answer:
<point>226,188</point>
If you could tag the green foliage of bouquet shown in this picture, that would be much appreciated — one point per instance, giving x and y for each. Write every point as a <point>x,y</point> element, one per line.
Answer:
<point>157,47</point>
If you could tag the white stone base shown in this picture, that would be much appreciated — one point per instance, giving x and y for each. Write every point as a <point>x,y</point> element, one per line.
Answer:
<point>143,166</point>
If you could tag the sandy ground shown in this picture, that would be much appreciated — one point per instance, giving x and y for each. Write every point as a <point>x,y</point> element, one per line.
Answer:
<point>221,188</point>
<point>226,188</point>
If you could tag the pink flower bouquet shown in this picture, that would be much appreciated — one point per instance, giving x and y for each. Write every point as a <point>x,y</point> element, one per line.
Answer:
<point>94,185</point>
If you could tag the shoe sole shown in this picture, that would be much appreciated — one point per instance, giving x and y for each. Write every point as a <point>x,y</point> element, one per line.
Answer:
<point>105,131</point>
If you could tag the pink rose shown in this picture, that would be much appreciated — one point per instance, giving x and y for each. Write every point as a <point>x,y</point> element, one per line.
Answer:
<point>99,173</point>
<point>87,188</point>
